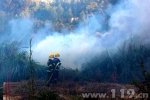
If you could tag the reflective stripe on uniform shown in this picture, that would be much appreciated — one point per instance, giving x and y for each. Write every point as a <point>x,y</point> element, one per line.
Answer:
<point>50,65</point>
<point>49,70</point>
<point>58,64</point>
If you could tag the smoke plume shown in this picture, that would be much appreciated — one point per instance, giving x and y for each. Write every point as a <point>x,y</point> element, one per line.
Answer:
<point>126,18</point>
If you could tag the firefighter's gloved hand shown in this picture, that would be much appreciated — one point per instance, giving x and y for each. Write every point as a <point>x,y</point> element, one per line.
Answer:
<point>59,64</point>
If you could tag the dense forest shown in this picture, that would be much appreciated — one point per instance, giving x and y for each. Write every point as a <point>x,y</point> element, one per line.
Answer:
<point>63,14</point>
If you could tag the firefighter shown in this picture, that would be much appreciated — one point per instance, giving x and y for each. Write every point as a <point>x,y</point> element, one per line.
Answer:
<point>50,69</point>
<point>57,64</point>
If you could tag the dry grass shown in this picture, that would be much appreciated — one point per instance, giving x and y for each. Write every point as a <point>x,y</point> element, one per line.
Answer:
<point>70,90</point>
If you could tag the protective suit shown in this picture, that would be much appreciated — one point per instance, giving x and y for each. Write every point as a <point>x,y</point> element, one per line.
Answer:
<point>57,64</point>
<point>50,69</point>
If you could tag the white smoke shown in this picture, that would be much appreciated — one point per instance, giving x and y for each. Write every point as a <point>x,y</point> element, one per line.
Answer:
<point>20,30</point>
<point>72,48</point>
<point>126,19</point>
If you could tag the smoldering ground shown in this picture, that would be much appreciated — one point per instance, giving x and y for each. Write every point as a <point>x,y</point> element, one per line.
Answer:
<point>130,18</point>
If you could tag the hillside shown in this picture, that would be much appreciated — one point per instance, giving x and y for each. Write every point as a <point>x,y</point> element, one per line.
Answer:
<point>102,44</point>
<point>63,14</point>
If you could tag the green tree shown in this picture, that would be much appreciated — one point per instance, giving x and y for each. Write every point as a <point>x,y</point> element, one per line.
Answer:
<point>70,15</point>
<point>3,21</point>
<point>60,11</point>
<point>92,6</point>
<point>54,14</point>
<point>42,13</point>
<point>82,15</point>
<point>14,7</point>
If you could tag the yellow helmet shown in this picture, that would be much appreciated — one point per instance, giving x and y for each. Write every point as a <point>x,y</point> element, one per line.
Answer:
<point>57,54</point>
<point>51,55</point>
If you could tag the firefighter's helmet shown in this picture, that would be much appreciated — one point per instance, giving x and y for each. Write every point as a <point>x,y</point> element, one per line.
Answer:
<point>51,55</point>
<point>57,54</point>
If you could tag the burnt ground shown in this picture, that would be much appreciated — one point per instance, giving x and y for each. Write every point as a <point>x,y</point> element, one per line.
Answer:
<point>70,90</point>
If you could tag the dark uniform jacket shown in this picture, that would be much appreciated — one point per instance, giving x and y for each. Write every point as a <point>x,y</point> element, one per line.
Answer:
<point>50,65</point>
<point>57,63</point>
